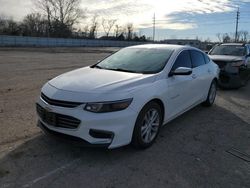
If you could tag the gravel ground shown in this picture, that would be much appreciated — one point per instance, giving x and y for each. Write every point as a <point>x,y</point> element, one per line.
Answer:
<point>191,151</point>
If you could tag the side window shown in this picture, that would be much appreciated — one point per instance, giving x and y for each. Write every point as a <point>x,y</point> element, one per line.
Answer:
<point>197,58</point>
<point>207,59</point>
<point>183,60</point>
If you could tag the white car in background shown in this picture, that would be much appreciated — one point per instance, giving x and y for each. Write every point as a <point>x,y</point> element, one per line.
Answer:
<point>128,96</point>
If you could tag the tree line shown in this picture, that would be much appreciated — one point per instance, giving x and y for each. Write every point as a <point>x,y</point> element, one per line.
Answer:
<point>242,36</point>
<point>60,18</point>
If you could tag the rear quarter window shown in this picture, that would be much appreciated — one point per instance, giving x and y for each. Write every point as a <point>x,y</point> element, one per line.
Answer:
<point>207,59</point>
<point>197,58</point>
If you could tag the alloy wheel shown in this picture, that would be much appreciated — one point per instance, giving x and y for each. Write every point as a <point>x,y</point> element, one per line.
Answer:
<point>151,124</point>
<point>212,93</point>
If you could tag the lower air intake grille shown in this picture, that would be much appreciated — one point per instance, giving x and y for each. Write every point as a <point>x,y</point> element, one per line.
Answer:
<point>57,120</point>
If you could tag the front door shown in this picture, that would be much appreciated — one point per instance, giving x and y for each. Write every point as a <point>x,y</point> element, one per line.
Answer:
<point>180,88</point>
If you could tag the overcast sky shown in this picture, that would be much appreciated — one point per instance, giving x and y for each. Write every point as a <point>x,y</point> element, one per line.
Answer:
<point>174,18</point>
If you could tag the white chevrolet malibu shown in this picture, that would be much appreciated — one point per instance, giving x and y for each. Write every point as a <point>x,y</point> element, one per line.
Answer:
<point>128,96</point>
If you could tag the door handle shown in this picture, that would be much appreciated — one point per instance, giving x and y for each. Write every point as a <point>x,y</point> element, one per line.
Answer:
<point>209,71</point>
<point>194,76</point>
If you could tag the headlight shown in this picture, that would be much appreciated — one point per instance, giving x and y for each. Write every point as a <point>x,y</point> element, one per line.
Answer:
<point>103,107</point>
<point>238,63</point>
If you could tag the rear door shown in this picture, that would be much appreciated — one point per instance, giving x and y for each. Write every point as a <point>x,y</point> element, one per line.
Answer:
<point>201,75</point>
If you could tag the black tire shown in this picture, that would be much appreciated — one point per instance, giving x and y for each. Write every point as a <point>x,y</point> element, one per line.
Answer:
<point>138,140</point>
<point>209,102</point>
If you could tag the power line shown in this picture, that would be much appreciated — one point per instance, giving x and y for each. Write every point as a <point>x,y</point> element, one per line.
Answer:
<point>202,24</point>
<point>208,23</point>
<point>202,19</point>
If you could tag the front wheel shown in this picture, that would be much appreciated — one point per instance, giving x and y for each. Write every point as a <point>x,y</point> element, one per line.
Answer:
<point>211,95</point>
<point>147,126</point>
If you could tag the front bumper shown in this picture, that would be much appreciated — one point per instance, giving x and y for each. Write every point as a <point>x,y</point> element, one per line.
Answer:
<point>68,138</point>
<point>229,80</point>
<point>94,129</point>
<point>233,77</point>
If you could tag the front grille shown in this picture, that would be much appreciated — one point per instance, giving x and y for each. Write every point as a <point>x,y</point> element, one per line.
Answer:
<point>224,79</point>
<point>57,120</point>
<point>221,64</point>
<point>60,103</point>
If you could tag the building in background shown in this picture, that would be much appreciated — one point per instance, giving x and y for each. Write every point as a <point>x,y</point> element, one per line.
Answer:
<point>191,42</point>
<point>206,46</point>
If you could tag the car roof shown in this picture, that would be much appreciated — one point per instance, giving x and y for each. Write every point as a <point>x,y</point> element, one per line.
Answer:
<point>162,46</point>
<point>233,44</point>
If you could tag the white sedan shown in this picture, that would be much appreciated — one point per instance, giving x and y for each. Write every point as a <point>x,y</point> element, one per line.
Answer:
<point>128,96</point>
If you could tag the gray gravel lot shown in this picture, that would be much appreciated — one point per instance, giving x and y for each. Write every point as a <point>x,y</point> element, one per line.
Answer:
<point>191,151</point>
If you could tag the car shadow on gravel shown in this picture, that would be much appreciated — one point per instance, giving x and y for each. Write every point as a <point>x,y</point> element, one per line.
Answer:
<point>190,151</point>
<point>240,93</point>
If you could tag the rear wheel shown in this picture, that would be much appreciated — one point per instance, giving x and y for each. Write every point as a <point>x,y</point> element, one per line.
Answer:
<point>211,94</point>
<point>147,126</point>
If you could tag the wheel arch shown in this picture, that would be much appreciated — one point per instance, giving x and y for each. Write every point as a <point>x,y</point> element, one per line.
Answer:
<point>216,80</point>
<point>135,139</point>
<point>161,104</point>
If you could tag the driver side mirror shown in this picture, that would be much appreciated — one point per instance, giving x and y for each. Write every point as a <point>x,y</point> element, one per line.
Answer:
<point>181,71</point>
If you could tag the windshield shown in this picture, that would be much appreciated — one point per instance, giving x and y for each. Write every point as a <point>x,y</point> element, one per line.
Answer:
<point>137,60</point>
<point>229,50</point>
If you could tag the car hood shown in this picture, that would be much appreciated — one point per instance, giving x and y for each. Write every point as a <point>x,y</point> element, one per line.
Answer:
<point>226,58</point>
<point>90,80</point>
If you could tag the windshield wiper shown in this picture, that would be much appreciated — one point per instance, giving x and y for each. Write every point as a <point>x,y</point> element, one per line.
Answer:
<point>97,66</point>
<point>123,70</point>
<point>118,69</point>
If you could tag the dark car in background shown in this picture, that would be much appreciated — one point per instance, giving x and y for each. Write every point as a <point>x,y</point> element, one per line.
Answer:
<point>233,60</point>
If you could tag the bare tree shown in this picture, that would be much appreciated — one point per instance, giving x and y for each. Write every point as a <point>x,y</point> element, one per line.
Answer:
<point>118,30</point>
<point>63,12</point>
<point>239,36</point>
<point>218,35</point>
<point>9,27</point>
<point>93,27</point>
<point>130,29</point>
<point>243,36</point>
<point>197,38</point>
<point>85,31</point>
<point>46,8</point>
<point>107,25</point>
<point>2,24</point>
<point>226,38</point>
<point>34,25</point>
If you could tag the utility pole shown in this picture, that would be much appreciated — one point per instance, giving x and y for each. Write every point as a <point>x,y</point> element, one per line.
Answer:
<point>154,28</point>
<point>237,24</point>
